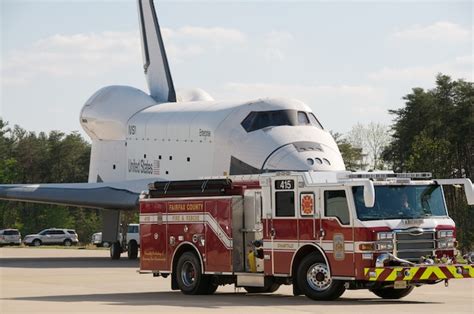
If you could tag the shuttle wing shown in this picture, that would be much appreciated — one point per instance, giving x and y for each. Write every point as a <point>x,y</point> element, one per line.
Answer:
<point>157,70</point>
<point>113,195</point>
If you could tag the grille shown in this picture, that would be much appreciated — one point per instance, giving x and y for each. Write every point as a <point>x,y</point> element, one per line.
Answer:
<point>412,244</point>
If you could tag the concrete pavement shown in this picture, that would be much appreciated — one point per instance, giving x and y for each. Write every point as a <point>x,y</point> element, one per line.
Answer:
<point>40,280</point>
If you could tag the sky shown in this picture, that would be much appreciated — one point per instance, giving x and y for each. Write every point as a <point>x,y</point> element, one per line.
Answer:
<point>350,61</point>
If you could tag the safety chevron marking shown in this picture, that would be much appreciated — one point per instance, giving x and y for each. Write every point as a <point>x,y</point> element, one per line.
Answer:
<point>419,273</point>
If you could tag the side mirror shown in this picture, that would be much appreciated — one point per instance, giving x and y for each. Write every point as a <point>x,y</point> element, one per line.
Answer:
<point>468,187</point>
<point>369,193</point>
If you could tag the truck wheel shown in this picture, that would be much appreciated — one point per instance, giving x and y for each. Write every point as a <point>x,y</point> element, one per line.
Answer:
<point>36,242</point>
<point>211,288</point>
<point>132,251</point>
<point>391,293</point>
<point>67,242</point>
<point>271,288</point>
<point>190,277</point>
<point>314,280</point>
<point>115,250</point>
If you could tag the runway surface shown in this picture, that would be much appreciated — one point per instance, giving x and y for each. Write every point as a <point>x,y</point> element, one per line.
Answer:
<point>40,280</point>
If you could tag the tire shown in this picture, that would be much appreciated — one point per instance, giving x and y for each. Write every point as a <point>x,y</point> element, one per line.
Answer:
<point>115,251</point>
<point>314,281</point>
<point>391,293</point>
<point>105,244</point>
<point>211,288</point>
<point>190,278</point>
<point>36,242</point>
<point>67,242</point>
<point>271,288</point>
<point>132,251</point>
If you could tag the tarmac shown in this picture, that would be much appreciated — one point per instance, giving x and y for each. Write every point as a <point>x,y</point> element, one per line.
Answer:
<point>50,280</point>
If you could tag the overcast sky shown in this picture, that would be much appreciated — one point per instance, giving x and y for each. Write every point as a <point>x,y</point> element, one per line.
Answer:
<point>350,61</point>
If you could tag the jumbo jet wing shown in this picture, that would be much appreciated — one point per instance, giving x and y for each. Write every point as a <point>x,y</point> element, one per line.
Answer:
<point>155,62</point>
<point>121,195</point>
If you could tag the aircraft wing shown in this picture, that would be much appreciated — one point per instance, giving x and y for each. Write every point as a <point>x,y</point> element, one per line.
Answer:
<point>121,195</point>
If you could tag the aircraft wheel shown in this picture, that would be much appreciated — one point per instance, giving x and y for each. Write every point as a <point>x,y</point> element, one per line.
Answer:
<point>115,250</point>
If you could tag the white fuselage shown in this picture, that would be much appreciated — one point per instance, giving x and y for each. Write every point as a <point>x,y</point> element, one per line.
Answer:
<point>184,140</point>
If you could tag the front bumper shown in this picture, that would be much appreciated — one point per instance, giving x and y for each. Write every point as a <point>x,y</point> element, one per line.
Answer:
<point>419,273</point>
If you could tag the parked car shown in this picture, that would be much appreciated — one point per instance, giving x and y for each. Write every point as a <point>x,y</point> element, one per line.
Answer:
<point>67,237</point>
<point>10,236</point>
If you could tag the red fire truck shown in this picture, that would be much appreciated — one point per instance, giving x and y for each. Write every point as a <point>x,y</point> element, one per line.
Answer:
<point>321,232</point>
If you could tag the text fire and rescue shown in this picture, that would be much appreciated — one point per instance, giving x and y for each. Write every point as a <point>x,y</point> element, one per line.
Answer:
<point>323,233</point>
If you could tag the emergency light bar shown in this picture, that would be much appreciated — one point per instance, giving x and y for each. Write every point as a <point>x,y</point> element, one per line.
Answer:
<point>384,175</point>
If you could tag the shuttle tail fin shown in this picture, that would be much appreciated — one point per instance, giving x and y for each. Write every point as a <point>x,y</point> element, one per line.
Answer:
<point>155,65</point>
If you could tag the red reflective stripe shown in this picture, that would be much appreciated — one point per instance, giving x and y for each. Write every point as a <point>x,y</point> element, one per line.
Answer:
<point>446,272</point>
<point>419,273</point>
<point>385,273</point>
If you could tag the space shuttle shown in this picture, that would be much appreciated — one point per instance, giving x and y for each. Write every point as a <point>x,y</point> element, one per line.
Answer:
<point>139,137</point>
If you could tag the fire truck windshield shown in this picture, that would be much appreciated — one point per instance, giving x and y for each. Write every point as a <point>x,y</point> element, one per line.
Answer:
<point>401,202</point>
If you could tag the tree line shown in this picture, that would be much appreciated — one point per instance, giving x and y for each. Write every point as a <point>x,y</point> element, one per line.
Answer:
<point>27,157</point>
<point>433,131</point>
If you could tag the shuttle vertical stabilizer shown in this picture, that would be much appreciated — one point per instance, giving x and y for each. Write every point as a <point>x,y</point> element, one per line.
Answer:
<point>155,62</point>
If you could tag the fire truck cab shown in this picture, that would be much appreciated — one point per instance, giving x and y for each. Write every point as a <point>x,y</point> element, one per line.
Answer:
<point>322,232</point>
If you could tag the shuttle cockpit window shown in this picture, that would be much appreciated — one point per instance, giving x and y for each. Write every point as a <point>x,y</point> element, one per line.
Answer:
<point>303,118</point>
<point>257,120</point>
<point>314,121</point>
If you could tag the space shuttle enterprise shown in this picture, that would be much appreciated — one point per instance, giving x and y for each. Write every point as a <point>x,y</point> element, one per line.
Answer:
<point>138,138</point>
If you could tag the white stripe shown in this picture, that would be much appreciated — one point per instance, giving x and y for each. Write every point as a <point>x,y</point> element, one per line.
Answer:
<point>190,218</point>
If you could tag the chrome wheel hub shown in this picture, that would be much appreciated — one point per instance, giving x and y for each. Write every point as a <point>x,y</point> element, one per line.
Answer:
<point>318,277</point>
<point>188,274</point>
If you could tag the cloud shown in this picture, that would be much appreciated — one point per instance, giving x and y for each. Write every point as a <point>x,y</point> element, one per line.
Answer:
<point>439,31</point>
<point>276,44</point>
<point>88,54</point>
<point>460,67</point>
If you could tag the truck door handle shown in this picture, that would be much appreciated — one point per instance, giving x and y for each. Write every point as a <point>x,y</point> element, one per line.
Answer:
<point>272,232</point>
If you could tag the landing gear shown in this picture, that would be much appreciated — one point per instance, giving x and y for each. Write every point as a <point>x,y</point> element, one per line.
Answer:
<point>314,280</point>
<point>115,250</point>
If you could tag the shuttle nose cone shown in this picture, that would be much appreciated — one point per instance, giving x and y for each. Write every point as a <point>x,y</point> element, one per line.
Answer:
<point>303,156</point>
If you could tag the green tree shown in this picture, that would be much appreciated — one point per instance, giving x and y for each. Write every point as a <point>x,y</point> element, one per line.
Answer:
<point>434,132</point>
<point>352,156</point>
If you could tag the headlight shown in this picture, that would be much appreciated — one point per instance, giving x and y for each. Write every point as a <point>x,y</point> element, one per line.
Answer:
<point>384,246</point>
<point>445,233</point>
<point>446,244</point>
<point>384,236</point>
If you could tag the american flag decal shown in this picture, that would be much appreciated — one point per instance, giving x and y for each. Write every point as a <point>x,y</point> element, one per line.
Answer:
<point>156,167</point>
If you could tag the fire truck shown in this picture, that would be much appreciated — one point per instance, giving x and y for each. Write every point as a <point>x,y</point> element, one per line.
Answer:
<point>321,232</point>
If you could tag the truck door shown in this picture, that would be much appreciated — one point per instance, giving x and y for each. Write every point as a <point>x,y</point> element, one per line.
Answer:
<point>337,230</point>
<point>308,219</point>
<point>283,231</point>
<point>153,240</point>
